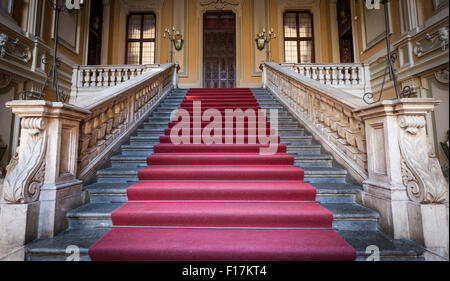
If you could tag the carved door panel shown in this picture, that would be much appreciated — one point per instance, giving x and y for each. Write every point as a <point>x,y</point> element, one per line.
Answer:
<point>345,31</point>
<point>95,33</point>
<point>219,50</point>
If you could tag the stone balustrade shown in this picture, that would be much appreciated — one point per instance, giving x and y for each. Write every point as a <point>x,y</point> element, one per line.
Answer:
<point>100,76</point>
<point>61,145</point>
<point>116,111</point>
<point>350,77</point>
<point>384,146</point>
<point>327,112</point>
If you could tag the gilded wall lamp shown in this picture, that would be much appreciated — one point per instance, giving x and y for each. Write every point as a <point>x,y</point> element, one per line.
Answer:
<point>176,38</point>
<point>58,7</point>
<point>263,38</point>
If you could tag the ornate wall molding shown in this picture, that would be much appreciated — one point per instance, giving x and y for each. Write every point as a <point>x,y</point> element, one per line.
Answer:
<point>420,169</point>
<point>442,76</point>
<point>432,42</point>
<point>5,79</point>
<point>25,172</point>
<point>218,4</point>
<point>14,48</point>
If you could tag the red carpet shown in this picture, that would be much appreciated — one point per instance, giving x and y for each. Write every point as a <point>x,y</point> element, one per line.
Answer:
<point>221,201</point>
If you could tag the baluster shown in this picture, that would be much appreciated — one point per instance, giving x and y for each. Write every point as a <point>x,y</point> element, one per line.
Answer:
<point>341,75</point>
<point>112,81</point>
<point>308,71</point>
<point>334,75</point>
<point>105,77</point>
<point>125,75</point>
<point>354,75</point>
<point>100,78</point>
<point>327,75</point>
<point>301,70</point>
<point>119,75</point>
<point>93,78</point>
<point>347,76</point>
<point>360,76</point>
<point>321,76</point>
<point>314,73</point>
<point>87,76</point>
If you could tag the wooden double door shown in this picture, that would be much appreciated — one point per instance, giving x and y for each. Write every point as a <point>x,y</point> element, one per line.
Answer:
<point>219,50</point>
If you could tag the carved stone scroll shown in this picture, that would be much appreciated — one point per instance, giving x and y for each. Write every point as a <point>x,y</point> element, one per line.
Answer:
<point>25,173</point>
<point>421,172</point>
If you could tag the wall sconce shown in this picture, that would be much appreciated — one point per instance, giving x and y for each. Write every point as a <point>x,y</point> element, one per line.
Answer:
<point>263,38</point>
<point>176,38</point>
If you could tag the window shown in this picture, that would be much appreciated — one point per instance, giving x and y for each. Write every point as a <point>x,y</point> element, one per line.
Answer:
<point>298,37</point>
<point>141,33</point>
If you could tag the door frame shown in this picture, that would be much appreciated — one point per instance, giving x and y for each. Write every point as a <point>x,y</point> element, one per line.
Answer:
<point>220,12</point>
<point>237,10</point>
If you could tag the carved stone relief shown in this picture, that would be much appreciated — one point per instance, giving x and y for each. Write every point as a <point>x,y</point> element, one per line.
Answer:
<point>432,42</point>
<point>442,76</point>
<point>14,48</point>
<point>25,172</point>
<point>421,172</point>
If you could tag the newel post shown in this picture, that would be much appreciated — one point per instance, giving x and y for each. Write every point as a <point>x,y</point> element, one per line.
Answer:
<point>405,182</point>
<point>41,182</point>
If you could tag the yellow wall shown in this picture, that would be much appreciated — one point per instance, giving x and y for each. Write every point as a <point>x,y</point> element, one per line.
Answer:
<point>192,42</point>
<point>165,23</point>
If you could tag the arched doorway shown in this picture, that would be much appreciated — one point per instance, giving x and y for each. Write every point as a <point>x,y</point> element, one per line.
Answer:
<point>219,49</point>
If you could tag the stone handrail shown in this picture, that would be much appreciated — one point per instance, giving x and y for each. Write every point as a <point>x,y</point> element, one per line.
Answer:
<point>100,76</point>
<point>326,111</point>
<point>61,145</point>
<point>384,146</point>
<point>115,111</point>
<point>350,77</point>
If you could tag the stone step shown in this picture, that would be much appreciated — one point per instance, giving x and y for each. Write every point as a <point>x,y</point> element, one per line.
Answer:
<point>108,192</point>
<point>315,175</point>
<point>304,149</point>
<point>139,161</point>
<point>355,223</point>
<point>336,192</point>
<point>54,249</point>
<point>352,216</point>
<point>313,160</point>
<point>346,216</point>
<point>326,193</point>
<point>137,149</point>
<point>92,215</point>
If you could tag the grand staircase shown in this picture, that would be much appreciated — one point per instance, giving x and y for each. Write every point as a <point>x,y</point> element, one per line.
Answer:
<point>356,224</point>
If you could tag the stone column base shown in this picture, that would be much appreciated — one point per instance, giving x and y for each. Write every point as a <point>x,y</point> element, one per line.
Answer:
<point>56,201</point>
<point>391,204</point>
<point>431,227</point>
<point>18,225</point>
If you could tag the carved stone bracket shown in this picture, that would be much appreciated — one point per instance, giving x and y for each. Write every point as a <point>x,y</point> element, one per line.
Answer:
<point>25,172</point>
<point>14,48</point>
<point>421,172</point>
